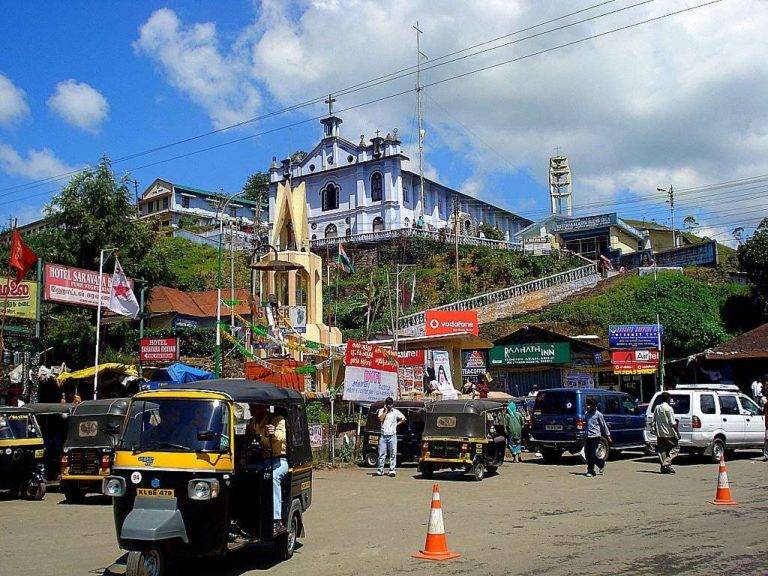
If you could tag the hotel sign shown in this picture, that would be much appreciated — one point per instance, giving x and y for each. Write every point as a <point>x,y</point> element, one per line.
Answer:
<point>585,223</point>
<point>531,354</point>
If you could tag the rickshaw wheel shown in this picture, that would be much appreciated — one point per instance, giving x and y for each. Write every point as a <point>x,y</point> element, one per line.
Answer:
<point>478,470</point>
<point>286,543</point>
<point>427,471</point>
<point>74,495</point>
<point>33,491</point>
<point>148,562</point>
<point>371,459</point>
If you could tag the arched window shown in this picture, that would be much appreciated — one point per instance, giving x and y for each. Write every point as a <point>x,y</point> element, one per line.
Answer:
<point>330,197</point>
<point>330,231</point>
<point>376,187</point>
<point>378,224</point>
<point>407,222</point>
<point>348,233</point>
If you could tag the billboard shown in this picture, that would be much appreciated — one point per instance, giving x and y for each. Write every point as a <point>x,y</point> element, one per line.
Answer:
<point>18,299</point>
<point>635,361</point>
<point>410,358</point>
<point>472,363</point>
<point>67,285</point>
<point>371,373</point>
<point>438,322</point>
<point>441,363</point>
<point>531,353</point>
<point>159,349</point>
<point>635,335</point>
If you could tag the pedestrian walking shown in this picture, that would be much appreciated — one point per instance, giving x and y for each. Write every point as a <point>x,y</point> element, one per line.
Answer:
<point>390,418</point>
<point>757,389</point>
<point>514,431</point>
<point>597,428</point>
<point>667,434</point>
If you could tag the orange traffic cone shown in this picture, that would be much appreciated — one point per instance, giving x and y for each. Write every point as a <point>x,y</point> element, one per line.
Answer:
<point>723,494</point>
<point>436,546</point>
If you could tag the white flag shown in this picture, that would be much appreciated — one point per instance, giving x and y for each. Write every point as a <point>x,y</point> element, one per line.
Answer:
<point>121,298</point>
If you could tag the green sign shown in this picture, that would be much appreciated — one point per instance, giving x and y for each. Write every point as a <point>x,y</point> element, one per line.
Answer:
<point>530,354</point>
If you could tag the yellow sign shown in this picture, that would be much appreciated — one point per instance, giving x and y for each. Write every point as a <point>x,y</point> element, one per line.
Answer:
<point>155,492</point>
<point>18,299</point>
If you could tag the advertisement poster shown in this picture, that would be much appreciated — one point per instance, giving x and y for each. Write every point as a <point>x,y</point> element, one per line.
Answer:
<point>159,349</point>
<point>441,362</point>
<point>410,358</point>
<point>531,354</point>
<point>67,285</point>
<point>635,336</point>
<point>635,361</point>
<point>437,322</point>
<point>576,379</point>
<point>473,363</point>
<point>316,436</point>
<point>19,299</point>
<point>371,373</point>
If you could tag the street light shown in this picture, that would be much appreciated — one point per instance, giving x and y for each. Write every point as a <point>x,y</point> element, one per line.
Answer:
<point>98,318</point>
<point>671,202</point>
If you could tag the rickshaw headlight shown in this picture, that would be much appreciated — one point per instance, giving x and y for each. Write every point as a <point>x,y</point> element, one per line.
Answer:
<point>203,489</point>
<point>113,486</point>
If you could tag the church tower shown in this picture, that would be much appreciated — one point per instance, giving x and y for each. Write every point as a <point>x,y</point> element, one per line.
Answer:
<point>560,185</point>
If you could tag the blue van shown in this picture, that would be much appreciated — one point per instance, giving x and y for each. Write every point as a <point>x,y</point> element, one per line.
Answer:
<point>558,422</point>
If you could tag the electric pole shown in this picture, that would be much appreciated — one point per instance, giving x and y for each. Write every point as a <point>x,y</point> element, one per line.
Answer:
<point>456,237</point>
<point>671,201</point>
<point>420,116</point>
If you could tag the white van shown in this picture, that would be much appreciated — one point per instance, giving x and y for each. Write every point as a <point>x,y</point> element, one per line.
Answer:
<point>712,418</point>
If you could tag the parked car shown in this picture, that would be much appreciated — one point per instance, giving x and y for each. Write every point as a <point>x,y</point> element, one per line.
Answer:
<point>558,422</point>
<point>712,418</point>
<point>408,434</point>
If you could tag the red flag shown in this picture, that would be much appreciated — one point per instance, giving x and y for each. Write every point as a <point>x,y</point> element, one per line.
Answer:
<point>22,256</point>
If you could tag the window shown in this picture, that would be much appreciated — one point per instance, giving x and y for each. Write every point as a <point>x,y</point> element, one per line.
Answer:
<point>165,203</point>
<point>378,224</point>
<point>681,403</point>
<point>555,403</point>
<point>612,405</point>
<point>348,233</point>
<point>185,201</point>
<point>407,222</point>
<point>728,405</point>
<point>598,399</point>
<point>406,194</point>
<point>150,207</point>
<point>376,187</point>
<point>298,426</point>
<point>330,197</point>
<point>628,405</point>
<point>749,406</point>
<point>330,231</point>
<point>233,211</point>
<point>707,403</point>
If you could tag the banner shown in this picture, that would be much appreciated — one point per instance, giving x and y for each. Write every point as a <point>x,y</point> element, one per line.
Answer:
<point>635,336</point>
<point>371,373</point>
<point>67,285</point>
<point>410,358</point>
<point>441,362</point>
<point>531,354</point>
<point>437,322</point>
<point>316,436</point>
<point>473,363</point>
<point>159,349</point>
<point>635,361</point>
<point>22,298</point>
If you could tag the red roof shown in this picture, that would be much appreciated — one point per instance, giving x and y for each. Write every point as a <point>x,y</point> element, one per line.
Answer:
<point>165,300</point>
<point>750,345</point>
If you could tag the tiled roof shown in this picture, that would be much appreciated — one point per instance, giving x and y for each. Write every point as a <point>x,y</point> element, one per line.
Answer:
<point>752,344</point>
<point>165,300</point>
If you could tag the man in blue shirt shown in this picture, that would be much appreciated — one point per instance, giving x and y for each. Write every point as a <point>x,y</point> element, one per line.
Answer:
<point>596,428</point>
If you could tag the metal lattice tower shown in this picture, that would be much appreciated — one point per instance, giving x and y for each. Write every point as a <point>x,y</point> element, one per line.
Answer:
<point>560,185</point>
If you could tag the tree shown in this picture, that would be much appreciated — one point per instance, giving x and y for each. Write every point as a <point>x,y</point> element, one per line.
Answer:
<point>753,259</point>
<point>298,156</point>
<point>690,222</point>
<point>491,232</point>
<point>256,188</point>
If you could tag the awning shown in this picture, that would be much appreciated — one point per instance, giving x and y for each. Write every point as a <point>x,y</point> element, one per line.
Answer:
<point>86,373</point>
<point>462,340</point>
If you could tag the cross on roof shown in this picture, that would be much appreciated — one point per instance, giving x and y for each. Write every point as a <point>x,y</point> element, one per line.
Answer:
<point>330,100</point>
<point>377,133</point>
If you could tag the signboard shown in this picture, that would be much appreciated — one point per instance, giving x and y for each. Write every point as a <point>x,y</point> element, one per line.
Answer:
<point>159,349</point>
<point>410,358</point>
<point>531,354</point>
<point>576,379</point>
<point>19,299</point>
<point>371,373</point>
<point>635,361</point>
<point>67,285</point>
<point>184,322</point>
<point>473,363</point>
<point>441,362</point>
<point>635,336</point>
<point>298,318</point>
<point>316,436</point>
<point>437,322</point>
<point>585,223</point>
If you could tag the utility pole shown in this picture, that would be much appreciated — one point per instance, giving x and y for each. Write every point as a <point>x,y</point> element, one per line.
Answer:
<point>456,237</point>
<point>136,194</point>
<point>420,116</point>
<point>671,201</point>
<point>232,278</point>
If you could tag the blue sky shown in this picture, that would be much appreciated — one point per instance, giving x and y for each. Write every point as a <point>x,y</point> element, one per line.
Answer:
<point>143,74</point>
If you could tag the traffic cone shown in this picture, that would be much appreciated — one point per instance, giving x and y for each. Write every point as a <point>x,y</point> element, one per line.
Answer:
<point>436,546</point>
<point>723,494</point>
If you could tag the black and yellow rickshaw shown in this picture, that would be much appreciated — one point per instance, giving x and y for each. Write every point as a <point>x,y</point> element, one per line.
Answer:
<point>22,453</point>
<point>466,435</point>
<point>190,476</point>
<point>94,428</point>
<point>53,418</point>
<point>408,434</point>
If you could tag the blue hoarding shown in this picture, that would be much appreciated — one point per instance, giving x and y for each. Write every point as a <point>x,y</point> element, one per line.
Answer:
<point>635,336</point>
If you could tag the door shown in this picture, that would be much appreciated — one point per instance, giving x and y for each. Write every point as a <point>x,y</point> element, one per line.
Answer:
<point>731,419</point>
<point>754,425</point>
<point>635,422</point>
<point>617,422</point>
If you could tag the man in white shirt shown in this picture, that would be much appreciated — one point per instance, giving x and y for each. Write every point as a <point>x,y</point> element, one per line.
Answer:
<point>390,418</point>
<point>757,390</point>
<point>667,435</point>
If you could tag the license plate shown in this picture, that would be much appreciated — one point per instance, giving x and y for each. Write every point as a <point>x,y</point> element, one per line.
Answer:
<point>553,427</point>
<point>155,492</point>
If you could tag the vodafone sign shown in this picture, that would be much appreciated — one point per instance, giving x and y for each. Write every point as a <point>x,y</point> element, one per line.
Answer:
<point>439,322</point>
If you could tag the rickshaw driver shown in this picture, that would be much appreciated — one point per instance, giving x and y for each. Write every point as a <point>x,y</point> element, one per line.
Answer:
<point>272,433</point>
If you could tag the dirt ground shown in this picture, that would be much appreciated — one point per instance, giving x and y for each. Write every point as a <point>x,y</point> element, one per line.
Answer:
<point>529,519</point>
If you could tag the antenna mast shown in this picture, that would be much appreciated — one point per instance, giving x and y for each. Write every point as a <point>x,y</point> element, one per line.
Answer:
<point>420,116</point>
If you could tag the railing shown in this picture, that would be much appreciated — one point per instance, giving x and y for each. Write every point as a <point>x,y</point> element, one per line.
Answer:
<point>478,302</point>
<point>384,235</point>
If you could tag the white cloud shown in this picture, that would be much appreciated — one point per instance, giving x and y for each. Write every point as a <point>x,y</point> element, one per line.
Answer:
<point>13,102</point>
<point>191,61</point>
<point>37,164</point>
<point>79,105</point>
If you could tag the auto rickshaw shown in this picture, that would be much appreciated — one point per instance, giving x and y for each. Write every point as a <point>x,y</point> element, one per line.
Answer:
<point>53,418</point>
<point>94,429</point>
<point>468,435</point>
<point>408,435</point>
<point>22,452</point>
<point>190,478</point>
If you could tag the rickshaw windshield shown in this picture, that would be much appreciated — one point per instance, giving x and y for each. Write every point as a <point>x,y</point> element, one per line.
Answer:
<point>18,427</point>
<point>174,425</point>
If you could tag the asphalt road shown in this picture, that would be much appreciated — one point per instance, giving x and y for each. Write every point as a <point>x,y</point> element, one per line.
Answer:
<point>529,519</point>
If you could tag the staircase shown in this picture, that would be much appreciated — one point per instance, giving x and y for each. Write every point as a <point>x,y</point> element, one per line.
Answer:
<point>522,298</point>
